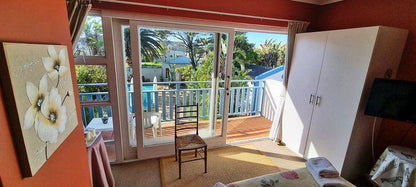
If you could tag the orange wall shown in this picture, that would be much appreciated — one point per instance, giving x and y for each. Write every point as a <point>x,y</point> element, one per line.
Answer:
<point>401,14</point>
<point>284,9</point>
<point>40,21</point>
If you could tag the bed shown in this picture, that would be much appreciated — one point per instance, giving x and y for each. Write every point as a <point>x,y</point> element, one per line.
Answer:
<point>298,177</point>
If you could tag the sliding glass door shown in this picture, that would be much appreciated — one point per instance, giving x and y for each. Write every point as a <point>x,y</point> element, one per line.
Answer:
<point>168,65</point>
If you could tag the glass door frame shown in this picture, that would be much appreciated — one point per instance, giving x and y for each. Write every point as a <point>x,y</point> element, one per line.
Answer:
<point>146,152</point>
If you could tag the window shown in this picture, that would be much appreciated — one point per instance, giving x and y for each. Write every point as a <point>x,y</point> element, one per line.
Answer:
<point>92,78</point>
<point>91,41</point>
<point>92,82</point>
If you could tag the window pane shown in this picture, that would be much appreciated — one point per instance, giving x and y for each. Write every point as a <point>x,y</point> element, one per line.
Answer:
<point>92,82</point>
<point>176,69</point>
<point>91,41</point>
<point>257,57</point>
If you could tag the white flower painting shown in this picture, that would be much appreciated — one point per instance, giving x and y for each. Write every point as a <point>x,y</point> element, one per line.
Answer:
<point>36,97</point>
<point>54,63</point>
<point>40,87</point>
<point>53,118</point>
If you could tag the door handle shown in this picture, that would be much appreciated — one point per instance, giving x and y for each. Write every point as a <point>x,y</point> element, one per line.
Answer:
<point>311,99</point>
<point>318,100</point>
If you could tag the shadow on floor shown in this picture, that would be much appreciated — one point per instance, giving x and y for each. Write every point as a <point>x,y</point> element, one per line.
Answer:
<point>139,173</point>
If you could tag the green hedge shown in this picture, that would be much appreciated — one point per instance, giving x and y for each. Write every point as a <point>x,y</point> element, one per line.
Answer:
<point>151,64</point>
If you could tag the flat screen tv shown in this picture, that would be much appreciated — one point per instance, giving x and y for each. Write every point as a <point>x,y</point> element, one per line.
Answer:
<point>393,99</point>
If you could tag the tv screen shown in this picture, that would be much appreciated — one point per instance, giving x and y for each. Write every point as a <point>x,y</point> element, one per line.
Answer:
<point>393,99</point>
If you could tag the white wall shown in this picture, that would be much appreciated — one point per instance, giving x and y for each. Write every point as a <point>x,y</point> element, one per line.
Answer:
<point>165,65</point>
<point>150,73</point>
<point>271,96</point>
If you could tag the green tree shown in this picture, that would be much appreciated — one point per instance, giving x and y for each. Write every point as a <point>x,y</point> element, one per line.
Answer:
<point>151,44</point>
<point>271,53</point>
<point>243,51</point>
<point>91,40</point>
<point>87,74</point>
<point>197,45</point>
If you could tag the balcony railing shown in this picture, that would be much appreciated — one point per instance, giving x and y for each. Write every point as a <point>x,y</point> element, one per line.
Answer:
<point>246,98</point>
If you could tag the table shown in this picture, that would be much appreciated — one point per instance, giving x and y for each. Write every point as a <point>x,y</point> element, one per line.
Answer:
<point>395,167</point>
<point>97,124</point>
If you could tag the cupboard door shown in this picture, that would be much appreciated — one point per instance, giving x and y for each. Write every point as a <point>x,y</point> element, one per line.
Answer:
<point>303,79</point>
<point>344,69</point>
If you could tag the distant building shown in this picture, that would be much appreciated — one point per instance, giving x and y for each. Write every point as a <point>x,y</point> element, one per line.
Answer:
<point>272,74</point>
<point>169,66</point>
<point>175,49</point>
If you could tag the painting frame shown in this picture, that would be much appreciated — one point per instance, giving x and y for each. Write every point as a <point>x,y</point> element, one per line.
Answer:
<point>37,89</point>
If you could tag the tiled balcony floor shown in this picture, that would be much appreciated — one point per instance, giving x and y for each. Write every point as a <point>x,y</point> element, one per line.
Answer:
<point>239,129</point>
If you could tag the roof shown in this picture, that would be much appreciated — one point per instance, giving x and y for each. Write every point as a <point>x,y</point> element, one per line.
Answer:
<point>179,60</point>
<point>256,70</point>
<point>270,72</point>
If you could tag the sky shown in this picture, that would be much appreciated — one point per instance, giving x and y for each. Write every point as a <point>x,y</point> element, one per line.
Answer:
<point>256,37</point>
<point>259,38</point>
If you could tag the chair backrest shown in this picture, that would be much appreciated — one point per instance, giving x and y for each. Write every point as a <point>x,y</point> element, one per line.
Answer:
<point>188,113</point>
<point>147,119</point>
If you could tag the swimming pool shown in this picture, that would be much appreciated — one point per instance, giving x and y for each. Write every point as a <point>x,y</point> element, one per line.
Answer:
<point>145,98</point>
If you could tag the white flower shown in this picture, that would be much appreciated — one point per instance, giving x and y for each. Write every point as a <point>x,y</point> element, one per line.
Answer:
<point>53,64</point>
<point>36,97</point>
<point>54,118</point>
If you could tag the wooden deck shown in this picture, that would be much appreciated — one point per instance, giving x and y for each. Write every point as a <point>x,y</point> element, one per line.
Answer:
<point>239,129</point>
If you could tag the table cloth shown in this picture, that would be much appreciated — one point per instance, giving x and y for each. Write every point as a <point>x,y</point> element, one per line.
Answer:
<point>395,167</point>
<point>97,124</point>
<point>100,169</point>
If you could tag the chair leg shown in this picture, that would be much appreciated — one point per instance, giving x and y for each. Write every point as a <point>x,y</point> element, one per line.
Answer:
<point>176,153</point>
<point>180,164</point>
<point>205,158</point>
<point>160,128</point>
<point>154,131</point>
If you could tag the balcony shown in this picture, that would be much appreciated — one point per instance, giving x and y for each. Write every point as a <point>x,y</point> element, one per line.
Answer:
<point>245,109</point>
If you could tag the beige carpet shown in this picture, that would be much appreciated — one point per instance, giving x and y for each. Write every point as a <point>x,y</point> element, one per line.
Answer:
<point>280,155</point>
<point>227,164</point>
<point>141,173</point>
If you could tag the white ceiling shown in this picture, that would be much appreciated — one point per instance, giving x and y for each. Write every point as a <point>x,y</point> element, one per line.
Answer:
<point>318,2</point>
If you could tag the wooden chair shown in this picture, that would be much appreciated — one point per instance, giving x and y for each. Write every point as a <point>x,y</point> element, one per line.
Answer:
<point>189,142</point>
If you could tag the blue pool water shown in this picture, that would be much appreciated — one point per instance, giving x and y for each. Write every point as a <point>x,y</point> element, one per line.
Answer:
<point>144,98</point>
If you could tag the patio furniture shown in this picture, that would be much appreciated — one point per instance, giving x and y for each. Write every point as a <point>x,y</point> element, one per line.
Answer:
<point>97,124</point>
<point>152,120</point>
<point>186,118</point>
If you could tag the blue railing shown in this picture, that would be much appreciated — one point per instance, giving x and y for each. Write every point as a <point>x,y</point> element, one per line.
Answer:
<point>245,98</point>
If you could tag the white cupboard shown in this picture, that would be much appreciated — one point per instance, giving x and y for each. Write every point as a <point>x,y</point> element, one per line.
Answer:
<point>329,81</point>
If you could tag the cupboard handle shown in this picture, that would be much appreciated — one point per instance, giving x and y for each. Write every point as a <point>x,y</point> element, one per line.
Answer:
<point>318,100</point>
<point>311,98</point>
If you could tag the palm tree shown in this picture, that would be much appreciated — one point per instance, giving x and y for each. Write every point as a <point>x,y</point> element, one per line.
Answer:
<point>272,53</point>
<point>151,45</point>
<point>91,41</point>
<point>197,45</point>
<point>243,50</point>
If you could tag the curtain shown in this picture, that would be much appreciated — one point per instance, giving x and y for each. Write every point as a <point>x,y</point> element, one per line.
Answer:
<point>293,29</point>
<point>77,12</point>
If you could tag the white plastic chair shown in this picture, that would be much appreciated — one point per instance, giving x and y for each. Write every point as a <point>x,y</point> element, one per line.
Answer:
<point>152,120</point>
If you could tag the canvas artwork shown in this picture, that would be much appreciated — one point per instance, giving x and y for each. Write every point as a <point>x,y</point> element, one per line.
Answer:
<point>38,91</point>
